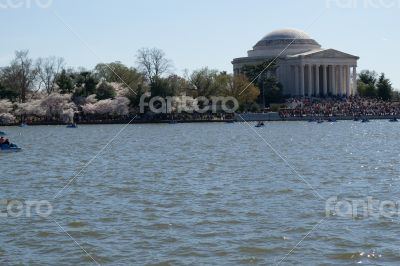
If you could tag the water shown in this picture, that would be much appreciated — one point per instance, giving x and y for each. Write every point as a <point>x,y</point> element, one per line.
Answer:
<point>201,194</point>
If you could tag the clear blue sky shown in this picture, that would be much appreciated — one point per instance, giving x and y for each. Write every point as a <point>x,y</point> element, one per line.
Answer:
<point>194,34</point>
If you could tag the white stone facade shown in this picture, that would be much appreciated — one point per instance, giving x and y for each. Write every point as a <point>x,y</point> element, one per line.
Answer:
<point>304,68</point>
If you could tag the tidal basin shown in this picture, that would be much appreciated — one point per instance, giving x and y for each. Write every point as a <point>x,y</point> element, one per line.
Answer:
<point>201,193</point>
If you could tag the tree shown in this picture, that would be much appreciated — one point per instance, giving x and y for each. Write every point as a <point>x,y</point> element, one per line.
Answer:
<point>86,84</point>
<point>242,90</point>
<point>129,78</point>
<point>366,84</point>
<point>259,73</point>
<point>384,88</point>
<point>5,106</point>
<point>264,77</point>
<point>117,72</point>
<point>178,85</point>
<point>9,94</point>
<point>57,105</point>
<point>366,90</point>
<point>368,77</point>
<point>205,82</point>
<point>48,70</point>
<point>20,75</point>
<point>117,106</point>
<point>153,63</point>
<point>160,87</point>
<point>65,82</point>
<point>105,91</point>
<point>272,90</point>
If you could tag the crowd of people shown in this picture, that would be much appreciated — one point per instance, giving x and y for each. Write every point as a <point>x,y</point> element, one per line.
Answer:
<point>352,106</point>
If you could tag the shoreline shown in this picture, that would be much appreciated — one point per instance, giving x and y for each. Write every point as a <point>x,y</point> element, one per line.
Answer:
<point>237,119</point>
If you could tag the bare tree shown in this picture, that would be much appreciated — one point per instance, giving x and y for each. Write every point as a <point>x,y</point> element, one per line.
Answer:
<point>20,75</point>
<point>153,63</point>
<point>48,69</point>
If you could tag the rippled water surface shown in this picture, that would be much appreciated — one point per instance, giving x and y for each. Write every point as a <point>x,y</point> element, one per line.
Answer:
<point>202,194</point>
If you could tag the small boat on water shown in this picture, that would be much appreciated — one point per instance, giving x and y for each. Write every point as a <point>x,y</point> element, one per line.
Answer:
<point>356,119</point>
<point>9,148</point>
<point>365,120</point>
<point>73,125</point>
<point>320,121</point>
<point>332,120</point>
<point>230,121</point>
<point>2,133</point>
<point>260,124</point>
<point>394,119</point>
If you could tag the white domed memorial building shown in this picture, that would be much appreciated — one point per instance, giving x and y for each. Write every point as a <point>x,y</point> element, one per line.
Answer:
<point>304,68</point>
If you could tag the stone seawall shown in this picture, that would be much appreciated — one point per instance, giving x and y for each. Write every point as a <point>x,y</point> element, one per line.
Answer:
<point>273,116</point>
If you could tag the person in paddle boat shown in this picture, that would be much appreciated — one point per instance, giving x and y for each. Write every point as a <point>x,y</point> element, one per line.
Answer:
<point>6,145</point>
<point>260,124</point>
<point>4,141</point>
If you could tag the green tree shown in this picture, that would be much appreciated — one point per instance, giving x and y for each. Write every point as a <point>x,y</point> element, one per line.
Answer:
<point>206,82</point>
<point>160,87</point>
<point>128,77</point>
<point>384,88</point>
<point>119,73</point>
<point>366,84</point>
<point>259,73</point>
<point>264,77</point>
<point>367,90</point>
<point>272,91</point>
<point>6,93</point>
<point>86,84</point>
<point>368,77</point>
<point>105,91</point>
<point>65,82</point>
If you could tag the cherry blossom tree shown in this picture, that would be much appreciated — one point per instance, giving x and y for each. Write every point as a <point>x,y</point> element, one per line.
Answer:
<point>5,106</point>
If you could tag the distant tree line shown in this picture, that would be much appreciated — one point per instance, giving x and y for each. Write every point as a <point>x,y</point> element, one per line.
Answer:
<point>30,85</point>
<point>26,80</point>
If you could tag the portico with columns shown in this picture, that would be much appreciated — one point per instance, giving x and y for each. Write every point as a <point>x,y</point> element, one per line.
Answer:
<point>322,73</point>
<point>304,68</point>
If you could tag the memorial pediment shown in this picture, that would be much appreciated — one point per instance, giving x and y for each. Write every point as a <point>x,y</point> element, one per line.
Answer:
<point>330,53</point>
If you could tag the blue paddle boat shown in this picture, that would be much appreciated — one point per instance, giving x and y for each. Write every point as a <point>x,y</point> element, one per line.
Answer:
<point>73,125</point>
<point>9,148</point>
<point>394,119</point>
